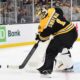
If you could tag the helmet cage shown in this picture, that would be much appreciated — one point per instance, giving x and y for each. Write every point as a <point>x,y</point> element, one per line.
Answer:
<point>41,12</point>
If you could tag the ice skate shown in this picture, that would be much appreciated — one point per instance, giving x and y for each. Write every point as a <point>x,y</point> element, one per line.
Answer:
<point>68,69</point>
<point>45,73</point>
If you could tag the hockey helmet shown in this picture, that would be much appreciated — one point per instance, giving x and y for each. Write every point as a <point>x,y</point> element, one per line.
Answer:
<point>41,12</point>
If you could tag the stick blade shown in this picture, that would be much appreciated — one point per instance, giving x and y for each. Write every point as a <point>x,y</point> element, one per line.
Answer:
<point>0,66</point>
<point>13,66</point>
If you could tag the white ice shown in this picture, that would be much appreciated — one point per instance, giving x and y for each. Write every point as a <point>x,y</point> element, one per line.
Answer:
<point>16,55</point>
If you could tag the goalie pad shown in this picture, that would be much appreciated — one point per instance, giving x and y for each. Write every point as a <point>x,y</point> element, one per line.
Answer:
<point>63,60</point>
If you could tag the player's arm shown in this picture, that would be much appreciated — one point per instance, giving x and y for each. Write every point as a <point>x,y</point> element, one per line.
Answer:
<point>43,36</point>
<point>46,33</point>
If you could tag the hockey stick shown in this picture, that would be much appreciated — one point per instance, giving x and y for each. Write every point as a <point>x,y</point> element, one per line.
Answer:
<point>26,59</point>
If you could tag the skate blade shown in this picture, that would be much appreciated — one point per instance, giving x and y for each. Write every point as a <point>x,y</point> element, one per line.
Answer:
<point>46,76</point>
<point>64,70</point>
<point>68,71</point>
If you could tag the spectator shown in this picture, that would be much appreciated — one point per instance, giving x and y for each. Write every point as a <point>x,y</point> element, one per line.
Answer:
<point>27,1</point>
<point>21,15</point>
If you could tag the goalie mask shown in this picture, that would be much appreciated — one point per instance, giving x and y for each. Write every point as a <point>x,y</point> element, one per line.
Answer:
<point>41,12</point>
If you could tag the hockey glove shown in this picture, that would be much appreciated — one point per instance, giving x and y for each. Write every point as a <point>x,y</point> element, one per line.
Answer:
<point>37,38</point>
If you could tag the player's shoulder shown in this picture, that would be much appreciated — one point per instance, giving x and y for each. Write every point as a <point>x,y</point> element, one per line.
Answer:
<point>55,9</point>
<point>51,9</point>
<point>59,10</point>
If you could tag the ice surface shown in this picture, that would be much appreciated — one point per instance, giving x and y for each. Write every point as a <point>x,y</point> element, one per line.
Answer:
<point>15,56</point>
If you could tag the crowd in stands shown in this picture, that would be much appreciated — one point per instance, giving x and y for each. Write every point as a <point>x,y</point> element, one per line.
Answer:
<point>24,9</point>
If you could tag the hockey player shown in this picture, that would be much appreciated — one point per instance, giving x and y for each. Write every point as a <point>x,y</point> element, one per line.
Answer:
<point>52,22</point>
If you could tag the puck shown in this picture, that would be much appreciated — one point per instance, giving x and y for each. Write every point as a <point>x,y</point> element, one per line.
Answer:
<point>7,66</point>
<point>0,66</point>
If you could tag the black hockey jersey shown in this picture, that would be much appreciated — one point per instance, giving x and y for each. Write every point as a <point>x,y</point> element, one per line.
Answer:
<point>54,24</point>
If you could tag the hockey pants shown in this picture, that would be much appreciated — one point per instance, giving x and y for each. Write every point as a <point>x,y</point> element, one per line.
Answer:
<point>56,45</point>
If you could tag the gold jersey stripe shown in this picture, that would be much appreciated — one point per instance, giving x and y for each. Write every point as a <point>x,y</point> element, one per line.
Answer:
<point>44,38</point>
<point>65,30</point>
